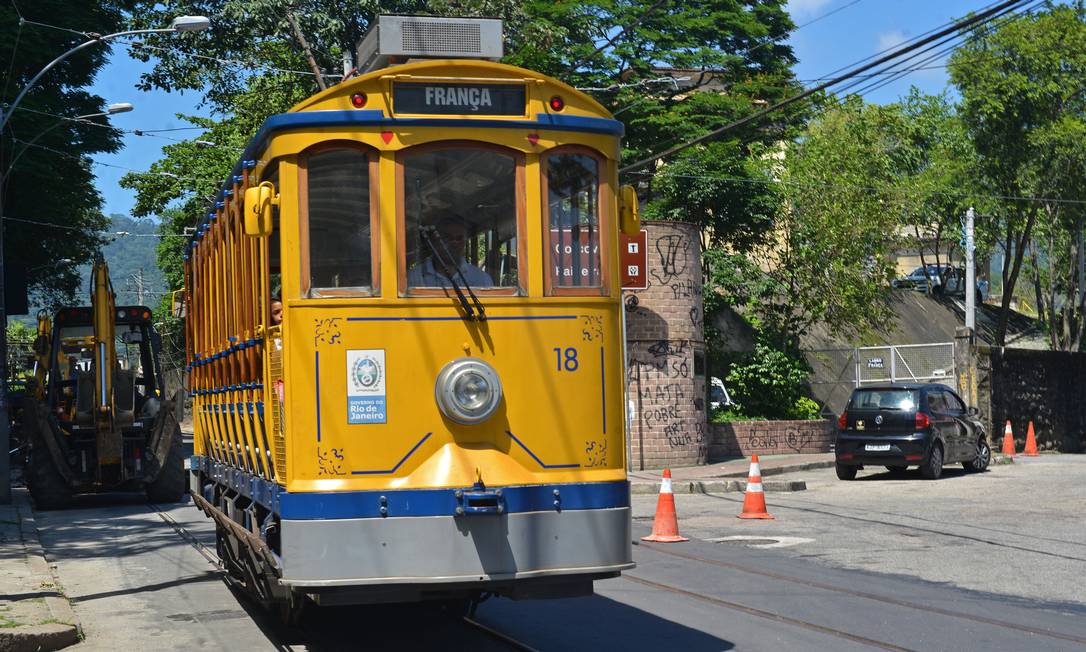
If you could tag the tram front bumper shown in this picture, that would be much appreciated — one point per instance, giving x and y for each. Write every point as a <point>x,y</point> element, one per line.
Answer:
<point>478,549</point>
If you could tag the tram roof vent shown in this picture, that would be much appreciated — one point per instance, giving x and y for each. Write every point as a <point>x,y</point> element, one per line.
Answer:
<point>395,39</point>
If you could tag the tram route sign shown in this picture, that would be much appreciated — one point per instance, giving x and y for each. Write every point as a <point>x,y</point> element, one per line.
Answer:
<point>436,98</point>
<point>366,389</point>
<point>633,258</point>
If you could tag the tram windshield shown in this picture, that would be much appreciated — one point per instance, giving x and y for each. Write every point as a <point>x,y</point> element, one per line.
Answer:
<point>468,197</point>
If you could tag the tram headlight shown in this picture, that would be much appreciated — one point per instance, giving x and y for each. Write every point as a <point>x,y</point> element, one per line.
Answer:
<point>468,391</point>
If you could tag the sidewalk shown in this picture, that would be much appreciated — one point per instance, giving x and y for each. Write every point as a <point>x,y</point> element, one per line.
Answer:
<point>731,474</point>
<point>34,613</point>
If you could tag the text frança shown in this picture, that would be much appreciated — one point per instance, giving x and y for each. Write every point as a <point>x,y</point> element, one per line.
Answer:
<point>459,96</point>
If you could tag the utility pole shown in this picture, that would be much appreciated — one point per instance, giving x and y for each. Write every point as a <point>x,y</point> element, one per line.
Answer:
<point>1081,267</point>
<point>970,275</point>
<point>5,424</point>
<point>139,287</point>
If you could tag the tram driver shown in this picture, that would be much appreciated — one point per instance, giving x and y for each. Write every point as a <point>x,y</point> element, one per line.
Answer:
<point>451,234</point>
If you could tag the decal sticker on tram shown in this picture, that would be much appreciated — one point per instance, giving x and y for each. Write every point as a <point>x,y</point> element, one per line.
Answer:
<point>366,386</point>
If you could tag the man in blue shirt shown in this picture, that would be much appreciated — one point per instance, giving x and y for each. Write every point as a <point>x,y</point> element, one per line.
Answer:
<point>451,234</point>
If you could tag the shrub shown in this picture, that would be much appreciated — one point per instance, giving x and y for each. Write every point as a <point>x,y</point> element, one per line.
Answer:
<point>768,382</point>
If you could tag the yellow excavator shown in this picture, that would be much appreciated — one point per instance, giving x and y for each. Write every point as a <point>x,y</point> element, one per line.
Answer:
<point>98,419</point>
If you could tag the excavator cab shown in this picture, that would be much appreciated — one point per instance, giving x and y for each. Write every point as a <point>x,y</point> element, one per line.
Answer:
<point>103,422</point>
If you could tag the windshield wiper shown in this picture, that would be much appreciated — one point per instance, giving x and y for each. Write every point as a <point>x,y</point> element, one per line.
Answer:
<point>448,268</point>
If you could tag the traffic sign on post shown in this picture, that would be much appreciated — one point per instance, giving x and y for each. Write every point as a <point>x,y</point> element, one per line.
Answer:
<point>633,260</point>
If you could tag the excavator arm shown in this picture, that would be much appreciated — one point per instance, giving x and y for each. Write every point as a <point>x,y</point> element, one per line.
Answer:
<point>104,308</point>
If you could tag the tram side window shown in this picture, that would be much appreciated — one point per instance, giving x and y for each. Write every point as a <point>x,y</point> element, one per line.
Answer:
<point>467,198</point>
<point>574,221</point>
<point>339,221</point>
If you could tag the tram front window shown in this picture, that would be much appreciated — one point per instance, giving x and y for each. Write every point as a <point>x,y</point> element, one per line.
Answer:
<point>573,216</point>
<point>339,212</point>
<point>467,200</point>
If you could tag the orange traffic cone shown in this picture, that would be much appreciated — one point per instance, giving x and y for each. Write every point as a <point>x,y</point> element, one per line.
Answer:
<point>1008,441</point>
<point>665,527</point>
<point>754,501</point>
<point>1031,442</point>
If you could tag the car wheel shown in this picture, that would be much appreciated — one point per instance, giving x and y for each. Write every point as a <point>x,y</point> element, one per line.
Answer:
<point>846,472</point>
<point>897,470</point>
<point>982,458</point>
<point>932,467</point>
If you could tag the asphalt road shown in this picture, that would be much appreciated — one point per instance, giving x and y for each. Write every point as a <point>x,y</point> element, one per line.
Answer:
<point>137,583</point>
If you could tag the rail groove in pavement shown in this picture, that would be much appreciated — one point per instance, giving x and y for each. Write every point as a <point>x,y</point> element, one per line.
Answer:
<point>862,594</point>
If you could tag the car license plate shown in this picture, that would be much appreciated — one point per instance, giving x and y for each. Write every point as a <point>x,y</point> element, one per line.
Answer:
<point>877,448</point>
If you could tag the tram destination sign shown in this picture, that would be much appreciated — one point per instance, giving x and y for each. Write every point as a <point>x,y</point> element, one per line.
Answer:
<point>435,98</point>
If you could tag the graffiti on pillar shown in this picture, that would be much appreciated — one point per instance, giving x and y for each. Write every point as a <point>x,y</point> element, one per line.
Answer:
<point>662,372</point>
<point>671,253</point>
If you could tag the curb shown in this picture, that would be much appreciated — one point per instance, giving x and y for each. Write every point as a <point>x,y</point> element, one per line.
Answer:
<point>784,468</point>
<point>716,486</point>
<point>54,636</point>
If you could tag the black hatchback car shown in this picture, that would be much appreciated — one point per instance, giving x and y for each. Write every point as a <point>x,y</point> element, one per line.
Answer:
<point>898,426</point>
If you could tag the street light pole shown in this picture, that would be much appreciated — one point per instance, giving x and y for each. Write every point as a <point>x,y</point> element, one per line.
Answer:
<point>970,275</point>
<point>179,24</point>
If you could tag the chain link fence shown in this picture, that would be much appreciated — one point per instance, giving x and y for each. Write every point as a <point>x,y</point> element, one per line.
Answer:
<point>836,372</point>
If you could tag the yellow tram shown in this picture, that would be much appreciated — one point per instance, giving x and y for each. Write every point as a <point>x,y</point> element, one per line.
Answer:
<point>440,412</point>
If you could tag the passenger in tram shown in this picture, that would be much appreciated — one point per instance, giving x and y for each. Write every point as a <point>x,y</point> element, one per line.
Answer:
<point>452,232</point>
<point>276,305</point>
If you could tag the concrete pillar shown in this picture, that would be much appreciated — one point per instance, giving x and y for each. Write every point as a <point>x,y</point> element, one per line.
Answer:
<point>666,353</point>
<point>965,366</point>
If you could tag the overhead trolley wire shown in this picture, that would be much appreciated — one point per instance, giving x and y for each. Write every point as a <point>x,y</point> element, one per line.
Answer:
<point>896,54</point>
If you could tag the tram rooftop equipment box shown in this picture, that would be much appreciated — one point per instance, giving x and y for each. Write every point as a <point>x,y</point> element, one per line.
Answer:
<point>401,38</point>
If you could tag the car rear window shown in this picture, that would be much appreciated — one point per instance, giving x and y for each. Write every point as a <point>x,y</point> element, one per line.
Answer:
<point>885,399</point>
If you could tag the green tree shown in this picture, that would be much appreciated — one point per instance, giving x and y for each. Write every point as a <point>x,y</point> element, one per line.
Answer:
<point>938,163</point>
<point>51,207</point>
<point>830,258</point>
<point>1023,103</point>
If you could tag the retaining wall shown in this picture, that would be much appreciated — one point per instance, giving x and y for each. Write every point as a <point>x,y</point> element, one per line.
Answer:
<point>744,438</point>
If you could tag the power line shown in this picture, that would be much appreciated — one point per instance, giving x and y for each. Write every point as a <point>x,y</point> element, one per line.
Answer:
<point>756,47</point>
<point>840,186</point>
<point>958,26</point>
<point>645,14</point>
<point>112,234</point>
<point>137,132</point>
<point>955,40</point>
<point>141,45</point>
<point>92,161</point>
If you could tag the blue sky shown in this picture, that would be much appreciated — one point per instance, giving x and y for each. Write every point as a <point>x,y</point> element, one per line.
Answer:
<point>855,32</point>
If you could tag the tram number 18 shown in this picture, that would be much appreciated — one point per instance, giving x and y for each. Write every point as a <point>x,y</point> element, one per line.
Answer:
<point>566,358</point>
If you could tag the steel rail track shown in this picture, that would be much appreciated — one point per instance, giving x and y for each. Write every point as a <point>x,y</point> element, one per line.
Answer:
<point>493,633</point>
<point>204,551</point>
<point>213,558</point>
<point>927,609</point>
<point>780,618</point>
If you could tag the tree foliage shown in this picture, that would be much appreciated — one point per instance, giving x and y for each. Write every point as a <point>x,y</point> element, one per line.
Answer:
<point>51,182</point>
<point>830,258</point>
<point>1024,107</point>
